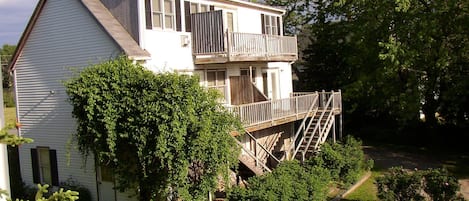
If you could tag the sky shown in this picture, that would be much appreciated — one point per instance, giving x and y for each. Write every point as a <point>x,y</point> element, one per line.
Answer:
<point>14,15</point>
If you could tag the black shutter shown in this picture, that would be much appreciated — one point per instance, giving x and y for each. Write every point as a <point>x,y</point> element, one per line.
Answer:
<point>53,167</point>
<point>178,15</point>
<point>212,7</point>
<point>187,15</point>
<point>263,23</point>
<point>148,14</point>
<point>35,166</point>
<point>278,26</point>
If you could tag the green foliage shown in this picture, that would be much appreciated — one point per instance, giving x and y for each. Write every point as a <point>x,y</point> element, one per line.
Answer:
<point>12,140</point>
<point>345,161</point>
<point>162,134</point>
<point>289,181</point>
<point>440,185</point>
<point>8,98</point>
<point>6,53</point>
<point>400,184</point>
<point>392,59</point>
<point>73,185</point>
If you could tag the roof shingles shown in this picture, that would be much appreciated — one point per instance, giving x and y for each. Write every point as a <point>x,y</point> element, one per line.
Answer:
<point>115,30</point>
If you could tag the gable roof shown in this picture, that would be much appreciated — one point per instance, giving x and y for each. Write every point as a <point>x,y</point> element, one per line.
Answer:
<point>104,18</point>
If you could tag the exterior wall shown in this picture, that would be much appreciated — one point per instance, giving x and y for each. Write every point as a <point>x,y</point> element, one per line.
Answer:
<point>172,50</point>
<point>65,39</point>
<point>168,50</point>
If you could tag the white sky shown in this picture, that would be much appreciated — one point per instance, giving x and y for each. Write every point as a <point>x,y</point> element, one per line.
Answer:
<point>14,15</point>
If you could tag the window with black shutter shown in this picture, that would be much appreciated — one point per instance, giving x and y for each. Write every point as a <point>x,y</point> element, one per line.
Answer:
<point>44,165</point>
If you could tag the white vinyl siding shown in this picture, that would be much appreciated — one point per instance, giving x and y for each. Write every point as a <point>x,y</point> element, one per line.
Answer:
<point>65,39</point>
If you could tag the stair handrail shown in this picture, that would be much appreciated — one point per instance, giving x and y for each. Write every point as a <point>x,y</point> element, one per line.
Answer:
<point>260,145</point>
<point>318,124</point>
<point>270,144</point>
<point>249,152</point>
<point>321,138</point>
<point>310,110</point>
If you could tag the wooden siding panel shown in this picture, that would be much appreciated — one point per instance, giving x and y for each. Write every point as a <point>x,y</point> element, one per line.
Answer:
<point>66,38</point>
<point>126,12</point>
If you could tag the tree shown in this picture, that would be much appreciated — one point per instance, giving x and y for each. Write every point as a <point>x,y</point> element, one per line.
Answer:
<point>162,134</point>
<point>392,59</point>
<point>6,52</point>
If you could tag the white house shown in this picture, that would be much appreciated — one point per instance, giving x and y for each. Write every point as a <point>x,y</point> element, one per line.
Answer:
<point>234,46</point>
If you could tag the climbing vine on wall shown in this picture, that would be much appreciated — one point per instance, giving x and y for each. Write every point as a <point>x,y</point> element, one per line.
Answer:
<point>162,134</point>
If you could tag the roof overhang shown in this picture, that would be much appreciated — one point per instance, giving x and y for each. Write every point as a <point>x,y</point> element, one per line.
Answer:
<point>104,18</point>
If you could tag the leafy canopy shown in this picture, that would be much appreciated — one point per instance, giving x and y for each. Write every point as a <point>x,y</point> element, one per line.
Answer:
<point>161,133</point>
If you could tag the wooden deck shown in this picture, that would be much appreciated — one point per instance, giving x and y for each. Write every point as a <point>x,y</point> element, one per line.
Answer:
<point>261,115</point>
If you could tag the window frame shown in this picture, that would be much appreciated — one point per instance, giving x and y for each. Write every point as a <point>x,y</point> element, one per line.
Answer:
<point>163,15</point>
<point>271,24</point>
<point>204,81</point>
<point>44,165</point>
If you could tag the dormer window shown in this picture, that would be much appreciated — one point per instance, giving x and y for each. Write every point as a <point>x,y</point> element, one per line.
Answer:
<point>160,14</point>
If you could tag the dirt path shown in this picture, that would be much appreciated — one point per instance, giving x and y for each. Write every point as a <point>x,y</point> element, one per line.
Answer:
<point>386,158</point>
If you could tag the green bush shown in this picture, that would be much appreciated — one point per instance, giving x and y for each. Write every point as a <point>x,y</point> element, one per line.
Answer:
<point>346,161</point>
<point>289,181</point>
<point>8,98</point>
<point>24,192</point>
<point>73,185</point>
<point>435,184</point>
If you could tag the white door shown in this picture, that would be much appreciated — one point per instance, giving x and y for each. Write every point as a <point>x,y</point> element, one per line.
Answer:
<point>271,83</point>
<point>106,184</point>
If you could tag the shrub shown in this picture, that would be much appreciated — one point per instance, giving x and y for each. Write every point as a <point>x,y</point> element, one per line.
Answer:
<point>8,98</point>
<point>440,185</point>
<point>289,181</point>
<point>24,192</point>
<point>73,185</point>
<point>345,160</point>
<point>400,184</point>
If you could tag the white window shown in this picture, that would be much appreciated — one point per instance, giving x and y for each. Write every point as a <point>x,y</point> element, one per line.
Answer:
<point>214,79</point>
<point>163,14</point>
<point>199,8</point>
<point>271,25</point>
<point>44,165</point>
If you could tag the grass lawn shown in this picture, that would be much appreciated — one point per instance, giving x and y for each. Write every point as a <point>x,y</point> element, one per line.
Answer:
<point>10,116</point>
<point>367,191</point>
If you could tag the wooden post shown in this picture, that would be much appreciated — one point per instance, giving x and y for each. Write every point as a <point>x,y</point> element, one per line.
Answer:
<point>340,116</point>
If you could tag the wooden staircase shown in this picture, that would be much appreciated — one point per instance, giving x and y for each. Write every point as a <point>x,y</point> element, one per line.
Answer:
<point>318,120</point>
<point>314,129</point>
<point>256,158</point>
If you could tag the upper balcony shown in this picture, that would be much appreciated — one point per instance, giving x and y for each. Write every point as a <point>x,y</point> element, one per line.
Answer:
<point>210,44</point>
<point>245,47</point>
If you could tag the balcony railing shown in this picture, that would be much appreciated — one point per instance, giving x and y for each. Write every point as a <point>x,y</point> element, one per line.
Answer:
<point>294,107</point>
<point>247,47</point>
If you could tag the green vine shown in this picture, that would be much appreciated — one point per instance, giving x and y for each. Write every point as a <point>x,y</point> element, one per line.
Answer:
<point>163,134</point>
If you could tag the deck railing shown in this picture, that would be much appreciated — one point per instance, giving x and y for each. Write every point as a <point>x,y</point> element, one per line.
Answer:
<point>298,104</point>
<point>261,45</point>
<point>249,45</point>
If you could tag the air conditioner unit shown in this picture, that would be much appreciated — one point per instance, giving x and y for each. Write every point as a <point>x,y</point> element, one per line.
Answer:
<point>185,40</point>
